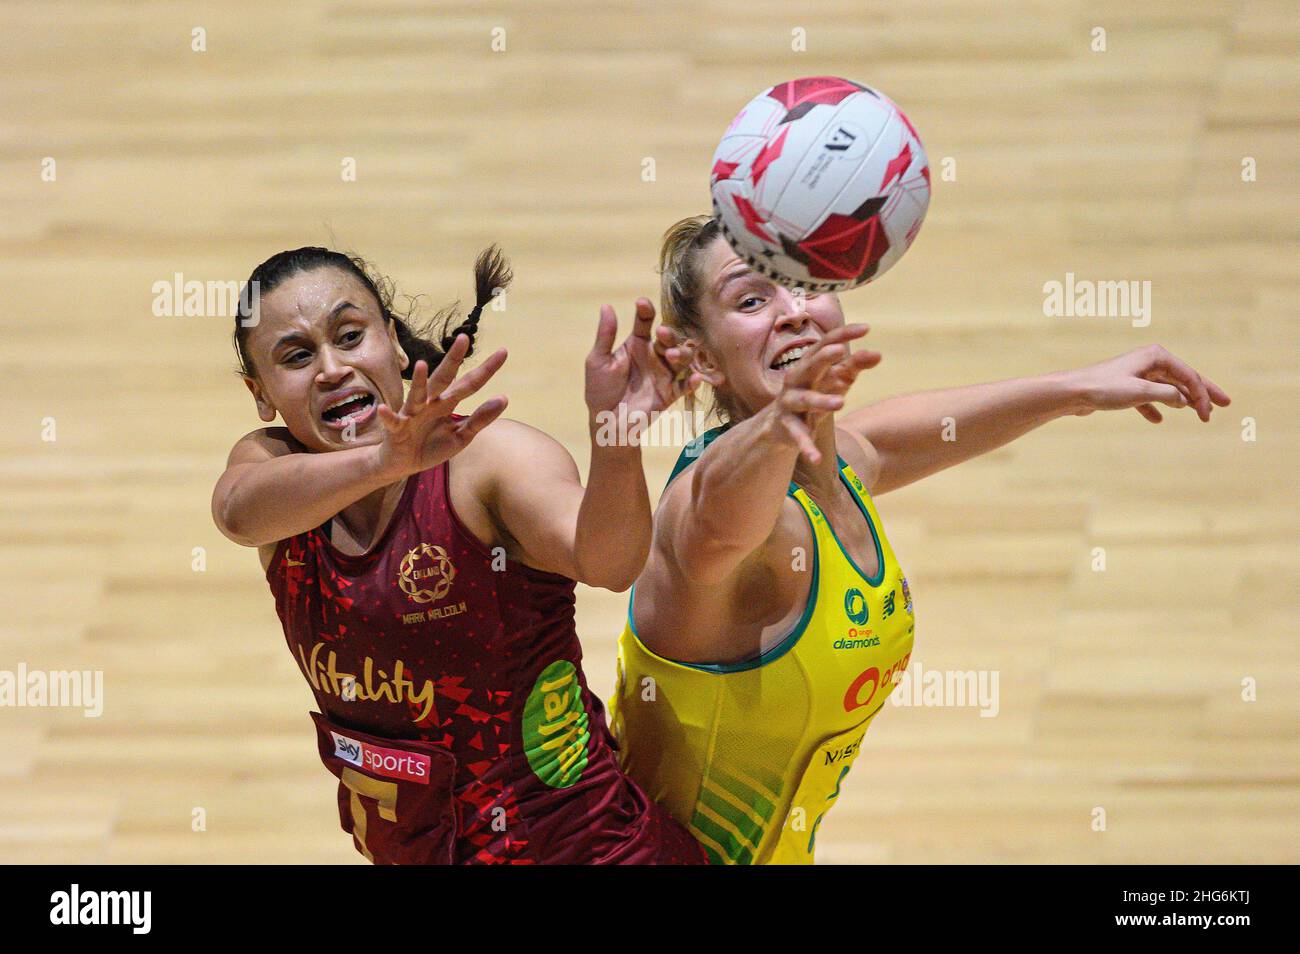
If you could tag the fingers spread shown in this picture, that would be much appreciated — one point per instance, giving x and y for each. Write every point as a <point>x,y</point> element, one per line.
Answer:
<point>390,420</point>
<point>418,392</point>
<point>808,369</point>
<point>606,329</point>
<point>803,401</point>
<point>645,318</point>
<point>483,415</point>
<point>471,381</point>
<point>447,368</point>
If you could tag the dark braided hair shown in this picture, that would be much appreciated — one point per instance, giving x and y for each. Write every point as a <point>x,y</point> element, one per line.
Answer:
<point>427,342</point>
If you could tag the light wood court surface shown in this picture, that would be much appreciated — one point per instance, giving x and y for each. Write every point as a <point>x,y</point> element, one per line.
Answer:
<point>1119,690</point>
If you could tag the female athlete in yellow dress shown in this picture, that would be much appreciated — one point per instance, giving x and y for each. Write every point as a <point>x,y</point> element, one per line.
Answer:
<point>772,618</point>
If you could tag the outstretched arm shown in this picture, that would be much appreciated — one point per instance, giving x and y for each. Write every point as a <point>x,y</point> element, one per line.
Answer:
<point>269,491</point>
<point>600,534</point>
<point>917,435</point>
<point>728,504</point>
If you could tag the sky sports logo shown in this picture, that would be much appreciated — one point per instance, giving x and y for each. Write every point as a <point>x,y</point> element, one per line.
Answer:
<point>390,763</point>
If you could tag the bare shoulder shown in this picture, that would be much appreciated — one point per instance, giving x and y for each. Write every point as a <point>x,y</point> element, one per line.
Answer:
<point>510,448</point>
<point>690,619</point>
<point>263,444</point>
<point>859,453</point>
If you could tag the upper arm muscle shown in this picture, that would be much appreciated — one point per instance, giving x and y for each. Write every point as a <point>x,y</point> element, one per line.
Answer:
<point>253,448</point>
<point>533,490</point>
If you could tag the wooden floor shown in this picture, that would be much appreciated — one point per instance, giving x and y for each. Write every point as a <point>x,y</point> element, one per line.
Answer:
<point>1119,690</point>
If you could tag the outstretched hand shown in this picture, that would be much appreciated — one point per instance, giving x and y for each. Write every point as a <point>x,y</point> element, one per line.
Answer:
<point>1142,379</point>
<point>816,384</point>
<point>647,373</point>
<point>421,433</point>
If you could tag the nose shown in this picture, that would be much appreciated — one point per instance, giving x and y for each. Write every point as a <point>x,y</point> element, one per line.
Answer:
<point>793,309</point>
<point>331,371</point>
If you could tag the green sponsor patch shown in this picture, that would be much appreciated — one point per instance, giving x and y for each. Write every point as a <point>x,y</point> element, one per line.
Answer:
<point>555,726</point>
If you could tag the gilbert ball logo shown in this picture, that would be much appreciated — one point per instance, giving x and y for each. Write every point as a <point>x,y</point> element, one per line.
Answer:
<point>855,606</point>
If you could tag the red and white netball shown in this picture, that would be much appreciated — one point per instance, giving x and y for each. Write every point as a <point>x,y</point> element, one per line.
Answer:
<point>820,183</point>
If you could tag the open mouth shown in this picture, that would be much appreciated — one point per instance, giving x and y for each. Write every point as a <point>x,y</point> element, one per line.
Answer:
<point>790,357</point>
<point>351,409</point>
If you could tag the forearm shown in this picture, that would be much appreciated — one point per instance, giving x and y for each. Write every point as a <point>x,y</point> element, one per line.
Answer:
<point>740,487</point>
<point>921,434</point>
<point>612,533</point>
<point>260,503</point>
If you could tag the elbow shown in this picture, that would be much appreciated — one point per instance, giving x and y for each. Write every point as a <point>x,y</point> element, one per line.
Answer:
<point>615,583</point>
<point>608,578</point>
<point>617,576</point>
<point>228,522</point>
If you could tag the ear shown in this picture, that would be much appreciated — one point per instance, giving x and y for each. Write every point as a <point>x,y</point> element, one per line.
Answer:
<point>402,358</point>
<point>704,364</point>
<point>265,409</point>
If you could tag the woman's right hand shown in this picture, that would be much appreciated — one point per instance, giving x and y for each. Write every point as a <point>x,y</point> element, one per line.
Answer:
<point>422,434</point>
<point>815,386</point>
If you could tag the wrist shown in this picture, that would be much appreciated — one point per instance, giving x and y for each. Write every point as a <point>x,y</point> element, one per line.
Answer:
<point>771,431</point>
<point>1068,393</point>
<point>616,434</point>
<point>376,469</point>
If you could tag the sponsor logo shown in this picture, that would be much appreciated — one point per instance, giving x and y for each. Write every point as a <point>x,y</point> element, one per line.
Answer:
<point>907,596</point>
<point>844,753</point>
<point>555,726</point>
<point>321,670</point>
<point>864,689</point>
<point>349,750</point>
<point>857,639</point>
<point>390,763</point>
<point>855,606</point>
<point>426,563</point>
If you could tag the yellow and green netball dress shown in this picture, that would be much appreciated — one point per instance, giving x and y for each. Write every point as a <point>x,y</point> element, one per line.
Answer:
<point>750,756</point>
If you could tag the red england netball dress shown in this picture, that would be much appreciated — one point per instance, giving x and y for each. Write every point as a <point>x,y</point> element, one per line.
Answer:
<point>454,710</point>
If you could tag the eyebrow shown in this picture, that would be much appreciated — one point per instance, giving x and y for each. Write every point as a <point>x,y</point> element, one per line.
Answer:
<point>736,273</point>
<point>295,336</point>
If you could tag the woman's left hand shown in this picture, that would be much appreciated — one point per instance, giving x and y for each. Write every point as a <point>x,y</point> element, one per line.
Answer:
<point>647,372</point>
<point>1141,379</point>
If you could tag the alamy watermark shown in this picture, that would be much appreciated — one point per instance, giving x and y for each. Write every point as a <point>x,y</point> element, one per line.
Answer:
<point>54,689</point>
<point>673,427</point>
<point>75,906</point>
<point>943,688</point>
<point>1085,298</point>
<point>191,298</point>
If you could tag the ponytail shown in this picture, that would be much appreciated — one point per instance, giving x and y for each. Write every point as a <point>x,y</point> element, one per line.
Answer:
<point>492,275</point>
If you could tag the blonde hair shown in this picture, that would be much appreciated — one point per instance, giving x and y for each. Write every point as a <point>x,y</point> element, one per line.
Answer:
<point>681,284</point>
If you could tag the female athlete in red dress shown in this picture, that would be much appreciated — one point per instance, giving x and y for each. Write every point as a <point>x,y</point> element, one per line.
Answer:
<point>430,606</point>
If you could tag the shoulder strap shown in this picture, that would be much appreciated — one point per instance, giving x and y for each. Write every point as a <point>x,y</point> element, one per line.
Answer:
<point>694,449</point>
<point>691,452</point>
